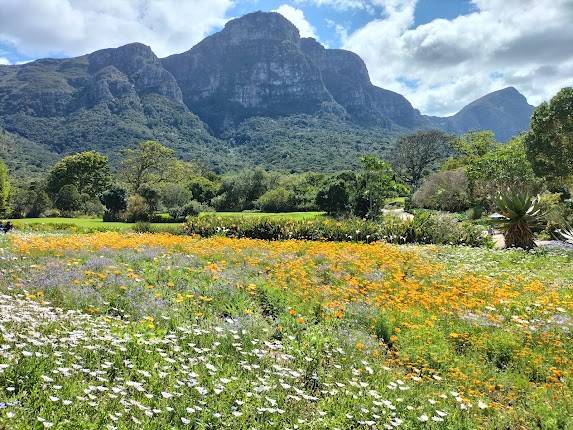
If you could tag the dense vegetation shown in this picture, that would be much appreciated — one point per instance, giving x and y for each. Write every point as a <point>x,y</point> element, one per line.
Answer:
<point>423,228</point>
<point>433,170</point>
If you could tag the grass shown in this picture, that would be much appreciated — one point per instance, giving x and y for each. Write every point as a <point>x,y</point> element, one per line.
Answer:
<point>154,331</point>
<point>81,223</point>
<point>97,224</point>
<point>285,215</point>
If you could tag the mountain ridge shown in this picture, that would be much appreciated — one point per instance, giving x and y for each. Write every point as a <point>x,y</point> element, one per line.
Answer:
<point>258,66</point>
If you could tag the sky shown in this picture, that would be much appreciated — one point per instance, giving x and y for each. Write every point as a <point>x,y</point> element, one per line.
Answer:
<point>440,54</point>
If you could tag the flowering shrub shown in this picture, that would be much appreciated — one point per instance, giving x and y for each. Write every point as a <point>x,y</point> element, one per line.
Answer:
<point>424,228</point>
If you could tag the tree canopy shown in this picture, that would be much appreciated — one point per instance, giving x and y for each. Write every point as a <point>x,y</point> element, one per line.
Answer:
<point>417,154</point>
<point>88,172</point>
<point>148,163</point>
<point>549,142</point>
<point>4,188</point>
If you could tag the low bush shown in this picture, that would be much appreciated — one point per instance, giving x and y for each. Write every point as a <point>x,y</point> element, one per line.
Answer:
<point>444,191</point>
<point>424,228</point>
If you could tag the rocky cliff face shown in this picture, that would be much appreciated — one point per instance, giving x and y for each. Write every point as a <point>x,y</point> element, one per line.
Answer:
<point>105,100</point>
<point>259,66</point>
<point>254,67</point>
<point>346,77</point>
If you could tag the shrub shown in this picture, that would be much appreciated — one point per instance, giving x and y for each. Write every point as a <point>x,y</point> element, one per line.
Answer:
<point>137,209</point>
<point>277,200</point>
<point>424,228</point>
<point>445,191</point>
<point>474,213</point>
<point>193,208</point>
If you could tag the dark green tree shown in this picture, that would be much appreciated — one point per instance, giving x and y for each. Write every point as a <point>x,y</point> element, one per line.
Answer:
<point>115,202</point>
<point>4,189</point>
<point>202,188</point>
<point>152,196</point>
<point>29,200</point>
<point>88,172</point>
<point>549,142</point>
<point>149,163</point>
<point>334,197</point>
<point>68,199</point>
<point>417,154</point>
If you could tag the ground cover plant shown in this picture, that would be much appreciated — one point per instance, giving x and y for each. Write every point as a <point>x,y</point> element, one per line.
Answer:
<point>123,330</point>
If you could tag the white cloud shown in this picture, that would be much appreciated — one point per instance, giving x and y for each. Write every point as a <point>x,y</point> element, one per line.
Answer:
<point>339,4</point>
<point>296,16</point>
<point>524,43</point>
<point>72,27</point>
<point>4,61</point>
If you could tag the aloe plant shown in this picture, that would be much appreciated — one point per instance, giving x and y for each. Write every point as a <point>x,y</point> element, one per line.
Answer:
<point>566,235</point>
<point>521,213</point>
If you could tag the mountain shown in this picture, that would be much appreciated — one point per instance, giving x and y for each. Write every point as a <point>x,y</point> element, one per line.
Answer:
<point>253,93</point>
<point>258,65</point>
<point>506,112</point>
<point>106,100</point>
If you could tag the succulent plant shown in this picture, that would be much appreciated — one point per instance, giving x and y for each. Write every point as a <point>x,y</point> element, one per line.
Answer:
<point>521,213</point>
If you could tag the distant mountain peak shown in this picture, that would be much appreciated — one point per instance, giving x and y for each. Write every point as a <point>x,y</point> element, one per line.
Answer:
<point>506,112</point>
<point>261,25</point>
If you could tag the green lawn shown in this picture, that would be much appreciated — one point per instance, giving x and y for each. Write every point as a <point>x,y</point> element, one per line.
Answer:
<point>97,224</point>
<point>290,215</point>
<point>90,224</point>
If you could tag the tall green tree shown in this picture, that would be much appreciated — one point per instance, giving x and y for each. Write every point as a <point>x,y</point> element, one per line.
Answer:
<point>115,202</point>
<point>334,197</point>
<point>549,142</point>
<point>469,147</point>
<point>4,188</point>
<point>377,182</point>
<point>68,199</point>
<point>417,154</point>
<point>88,172</point>
<point>149,163</point>
<point>505,166</point>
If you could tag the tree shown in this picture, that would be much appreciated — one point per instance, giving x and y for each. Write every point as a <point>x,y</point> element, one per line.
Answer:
<point>417,154</point>
<point>29,201</point>
<point>241,191</point>
<point>277,200</point>
<point>445,191</point>
<point>175,197</point>
<point>377,182</point>
<point>68,199</point>
<point>149,163</point>
<point>202,188</point>
<point>87,171</point>
<point>504,166</point>
<point>549,142</point>
<point>334,197</point>
<point>115,202</point>
<point>152,196</point>
<point>470,147</point>
<point>4,189</point>
<point>137,209</point>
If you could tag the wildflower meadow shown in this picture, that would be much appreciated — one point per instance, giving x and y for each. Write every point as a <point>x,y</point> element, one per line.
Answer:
<point>119,330</point>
